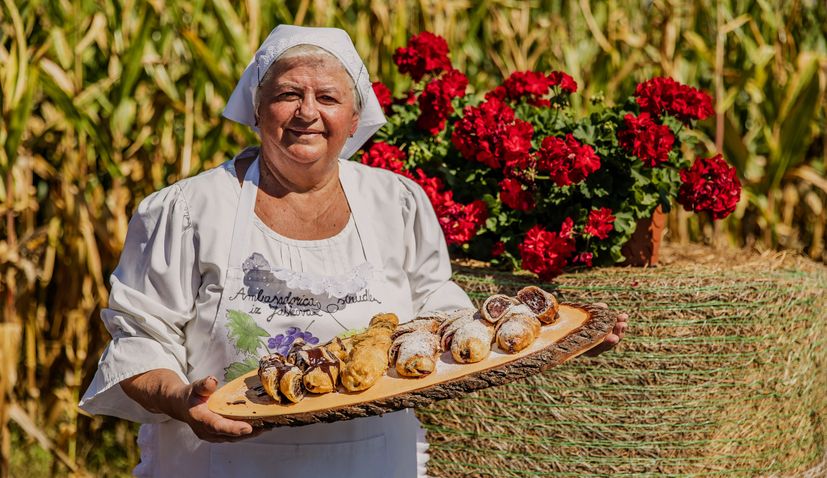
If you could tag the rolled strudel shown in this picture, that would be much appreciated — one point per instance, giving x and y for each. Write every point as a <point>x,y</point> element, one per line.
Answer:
<point>517,329</point>
<point>543,304</point>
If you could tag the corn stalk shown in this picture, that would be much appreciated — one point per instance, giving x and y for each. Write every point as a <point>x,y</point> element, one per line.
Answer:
<point>106,101</point>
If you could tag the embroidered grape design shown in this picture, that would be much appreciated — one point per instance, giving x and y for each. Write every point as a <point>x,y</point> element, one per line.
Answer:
<point>281,343</point>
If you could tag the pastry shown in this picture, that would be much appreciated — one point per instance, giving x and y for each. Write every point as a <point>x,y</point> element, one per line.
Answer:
<point>429,323</point>
<point>320,366</point>
<point>368,357</point>
<point>280,378</point>
<point>472,342</point>
<point>517,329</point>
<point>543,304</point>
<point>467,336</point>
<point>339,347</point>
<point>270,370</point>
<point>291,384</point>
<point>415,353</point>
<point>452,323</point>
<point>495,306</point>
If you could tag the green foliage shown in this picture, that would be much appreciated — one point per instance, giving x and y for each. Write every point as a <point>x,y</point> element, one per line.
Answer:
<point>244,332</point>
<point>237,369</point>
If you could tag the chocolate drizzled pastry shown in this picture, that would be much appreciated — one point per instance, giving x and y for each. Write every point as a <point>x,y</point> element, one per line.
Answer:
<point>319,365</point>
<point>281,379</point>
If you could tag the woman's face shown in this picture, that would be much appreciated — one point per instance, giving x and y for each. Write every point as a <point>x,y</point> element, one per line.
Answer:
<point>307,109</point>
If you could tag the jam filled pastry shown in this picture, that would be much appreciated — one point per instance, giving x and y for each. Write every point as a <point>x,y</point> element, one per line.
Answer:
<point>543,304</point>
<point>320,367</point>
<point>468,337</point>
<point>452,323</point>
<point>415,353</point>
<point>517,329</point>
<point>495,306</point>
<point>427,323</point>
<point>368,357</point>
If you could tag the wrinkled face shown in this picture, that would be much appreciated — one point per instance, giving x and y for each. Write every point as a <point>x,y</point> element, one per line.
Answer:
<point>307,108</point>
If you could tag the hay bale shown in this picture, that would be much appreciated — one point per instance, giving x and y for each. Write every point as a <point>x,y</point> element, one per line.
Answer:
<point>722,373</point>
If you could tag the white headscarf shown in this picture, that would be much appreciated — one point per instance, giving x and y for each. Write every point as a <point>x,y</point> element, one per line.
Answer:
<point>241,106</point>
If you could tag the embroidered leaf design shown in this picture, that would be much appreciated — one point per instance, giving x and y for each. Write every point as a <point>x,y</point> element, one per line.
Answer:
<point>237,369</point>
<point>244,332</point>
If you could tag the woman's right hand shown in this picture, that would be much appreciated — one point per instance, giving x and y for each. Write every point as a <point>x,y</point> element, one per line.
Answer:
<point>163,391</point>
<point>207,425</point>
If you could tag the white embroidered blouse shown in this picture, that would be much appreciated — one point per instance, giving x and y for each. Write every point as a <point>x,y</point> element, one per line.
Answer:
<point>175,258</point>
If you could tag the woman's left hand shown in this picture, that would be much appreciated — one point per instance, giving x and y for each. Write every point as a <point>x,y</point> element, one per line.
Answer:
<point>614,336</point>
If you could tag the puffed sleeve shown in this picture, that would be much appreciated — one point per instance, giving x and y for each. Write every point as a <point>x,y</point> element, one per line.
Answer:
<point>427,263</point>
<point>152,299</point>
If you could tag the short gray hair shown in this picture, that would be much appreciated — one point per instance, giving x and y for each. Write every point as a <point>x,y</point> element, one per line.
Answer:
<point>308,52</point>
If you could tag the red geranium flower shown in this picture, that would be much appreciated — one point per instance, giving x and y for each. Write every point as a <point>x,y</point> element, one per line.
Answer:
<point>545,253</point>
<point>490,134</point>
<point>710,184</point>
<point>435,102</point>
<point>584,258</point>
<point>425,53</point>
<point>514,196</point>
<point>383,94</point>
<point>665,95</point>
<point>566,83</point>
<point>497,249</point>
<point>567,228</point>
<point>459,222</point>
<point>600,223</point>
<point>649,141</point>
<point>567,161</point>
<point>385,156</point>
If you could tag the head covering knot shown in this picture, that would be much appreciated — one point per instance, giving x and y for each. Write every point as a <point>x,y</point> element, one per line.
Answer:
<point>241,105</point>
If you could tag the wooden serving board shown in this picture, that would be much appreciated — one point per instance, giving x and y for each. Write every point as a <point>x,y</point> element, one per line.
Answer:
<point>580,328</point>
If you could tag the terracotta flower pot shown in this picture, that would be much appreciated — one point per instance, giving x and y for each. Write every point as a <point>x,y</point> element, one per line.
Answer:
<point>644,245</point>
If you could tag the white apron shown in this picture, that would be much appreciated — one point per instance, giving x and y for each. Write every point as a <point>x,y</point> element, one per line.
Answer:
<point>261,311</point>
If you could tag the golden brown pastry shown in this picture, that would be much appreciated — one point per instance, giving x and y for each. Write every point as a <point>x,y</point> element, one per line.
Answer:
<point>339,347</point>
<point>495,306</point>
<point>368,357</point>
<point>517,329</point>
<point>320,366</point>
<point>291,384</point>
<point>543,304</point>
<point>415,353</point>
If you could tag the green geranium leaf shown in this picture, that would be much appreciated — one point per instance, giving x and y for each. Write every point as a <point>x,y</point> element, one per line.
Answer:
<point>244,331</point>
<point>237,369</point>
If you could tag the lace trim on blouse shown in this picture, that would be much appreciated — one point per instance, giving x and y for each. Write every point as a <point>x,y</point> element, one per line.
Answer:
<point>257,269</point>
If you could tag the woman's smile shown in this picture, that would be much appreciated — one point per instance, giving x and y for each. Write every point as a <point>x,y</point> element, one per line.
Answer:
<point>308,111</point>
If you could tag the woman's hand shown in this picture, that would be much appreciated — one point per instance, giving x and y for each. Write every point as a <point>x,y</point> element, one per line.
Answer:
<point>614,336</point>
<point>162,391</point>
<point>206,424</point>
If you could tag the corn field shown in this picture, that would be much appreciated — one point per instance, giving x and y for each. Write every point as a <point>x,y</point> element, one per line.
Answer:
<point>106,101</point>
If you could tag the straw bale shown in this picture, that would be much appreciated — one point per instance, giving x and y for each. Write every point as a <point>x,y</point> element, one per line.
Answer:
<point>722,373</point>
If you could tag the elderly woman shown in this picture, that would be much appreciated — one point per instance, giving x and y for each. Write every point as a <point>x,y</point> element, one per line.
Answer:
<point>236,262</point>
